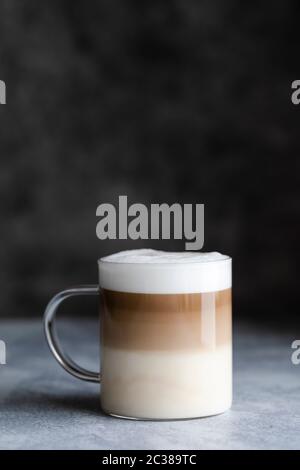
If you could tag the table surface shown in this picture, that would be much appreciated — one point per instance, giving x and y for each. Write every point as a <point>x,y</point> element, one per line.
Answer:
<point>42,407</point>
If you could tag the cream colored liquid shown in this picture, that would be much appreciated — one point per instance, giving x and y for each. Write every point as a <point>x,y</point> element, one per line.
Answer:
<point>166,356</point>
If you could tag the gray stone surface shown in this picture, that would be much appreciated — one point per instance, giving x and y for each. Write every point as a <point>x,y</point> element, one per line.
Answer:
<point>42,407</point>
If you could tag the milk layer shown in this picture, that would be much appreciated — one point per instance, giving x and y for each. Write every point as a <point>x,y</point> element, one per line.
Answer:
<point>166,385</point>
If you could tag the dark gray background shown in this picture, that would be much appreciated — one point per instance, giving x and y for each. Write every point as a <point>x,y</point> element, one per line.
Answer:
<point>175,101</point>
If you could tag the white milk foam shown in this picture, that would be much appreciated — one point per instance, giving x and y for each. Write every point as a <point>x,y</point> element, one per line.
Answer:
<point>161,272</point>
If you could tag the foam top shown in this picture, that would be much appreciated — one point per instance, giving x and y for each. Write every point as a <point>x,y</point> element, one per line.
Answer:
<point>161,272</point>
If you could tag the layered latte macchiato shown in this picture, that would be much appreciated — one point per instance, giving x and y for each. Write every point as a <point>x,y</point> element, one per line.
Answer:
<point>166,347</point>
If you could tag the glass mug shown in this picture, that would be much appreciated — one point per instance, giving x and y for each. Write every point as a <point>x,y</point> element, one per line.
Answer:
<point>165,334</point>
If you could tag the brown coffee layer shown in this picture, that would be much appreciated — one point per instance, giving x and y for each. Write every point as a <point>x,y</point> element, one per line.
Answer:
<point>165,321</point>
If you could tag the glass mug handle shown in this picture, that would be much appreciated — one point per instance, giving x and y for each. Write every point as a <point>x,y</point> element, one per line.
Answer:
<point>49,324</point>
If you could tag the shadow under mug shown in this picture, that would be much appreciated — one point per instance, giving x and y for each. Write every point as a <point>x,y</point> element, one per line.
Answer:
<point>165,338</point>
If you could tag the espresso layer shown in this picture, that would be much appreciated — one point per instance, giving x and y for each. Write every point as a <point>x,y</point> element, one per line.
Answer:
<point>165,321</point>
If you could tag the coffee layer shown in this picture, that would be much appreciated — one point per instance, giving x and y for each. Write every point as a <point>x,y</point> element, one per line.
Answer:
<point>165,321</point>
